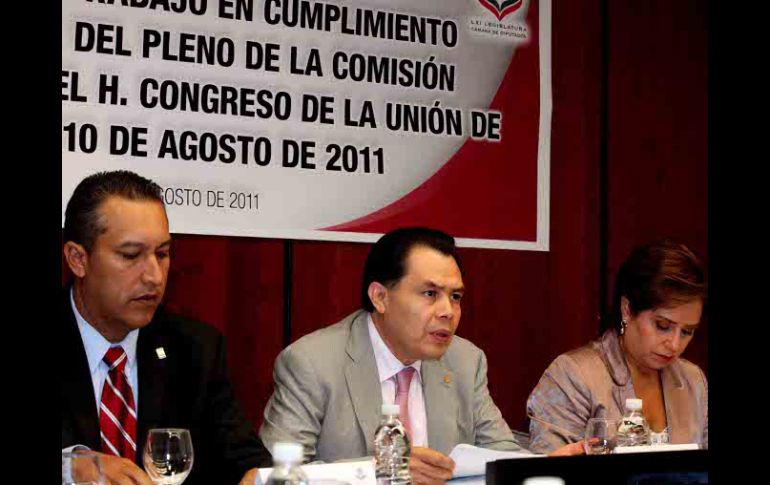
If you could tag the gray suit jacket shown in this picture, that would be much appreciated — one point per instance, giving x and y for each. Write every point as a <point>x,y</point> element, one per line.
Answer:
<point>594,381</point>
<point>327,396</point>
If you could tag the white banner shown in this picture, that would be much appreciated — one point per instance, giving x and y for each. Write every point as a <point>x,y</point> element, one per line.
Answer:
<point>316,120</point>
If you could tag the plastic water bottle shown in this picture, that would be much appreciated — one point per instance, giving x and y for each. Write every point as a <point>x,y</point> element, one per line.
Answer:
<point>287,458</point>
<point>633,429</point>
<point>392,449</point>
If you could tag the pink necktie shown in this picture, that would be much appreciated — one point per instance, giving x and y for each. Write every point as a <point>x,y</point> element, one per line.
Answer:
<point>403,380</point>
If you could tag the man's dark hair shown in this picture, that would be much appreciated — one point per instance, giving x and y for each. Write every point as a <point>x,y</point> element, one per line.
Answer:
<point>386,261</point>
<point>82,223</point>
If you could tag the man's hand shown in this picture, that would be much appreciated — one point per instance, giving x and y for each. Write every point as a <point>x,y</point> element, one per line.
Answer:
<point>569,450</point>
<point>249,477</point>
<point>120,471</point>
<point>430,467</point>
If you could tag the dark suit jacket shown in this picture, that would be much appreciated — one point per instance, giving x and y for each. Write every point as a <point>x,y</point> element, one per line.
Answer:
<point>189,389</point>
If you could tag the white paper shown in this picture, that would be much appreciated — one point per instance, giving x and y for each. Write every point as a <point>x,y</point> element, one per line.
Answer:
<point>351,472</point>
<point>471,460</point>
<point>647,448</point>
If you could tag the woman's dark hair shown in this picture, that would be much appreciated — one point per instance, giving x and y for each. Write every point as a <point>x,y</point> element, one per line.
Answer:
<point>659,274</point>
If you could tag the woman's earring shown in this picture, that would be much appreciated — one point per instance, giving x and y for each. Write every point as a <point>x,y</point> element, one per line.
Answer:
<point>622,327</point>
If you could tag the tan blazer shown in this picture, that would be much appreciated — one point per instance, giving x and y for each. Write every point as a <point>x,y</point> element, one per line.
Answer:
<point>594,381</point>
<point>327,396</point>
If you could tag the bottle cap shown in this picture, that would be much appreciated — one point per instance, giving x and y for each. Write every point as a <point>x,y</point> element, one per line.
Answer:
<point>634,404</point>
<point>284,451</point>
<point>391,409</point>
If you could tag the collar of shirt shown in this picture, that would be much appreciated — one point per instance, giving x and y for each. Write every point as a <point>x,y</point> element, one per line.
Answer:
<point>387,363</point>
<point>96,345</point>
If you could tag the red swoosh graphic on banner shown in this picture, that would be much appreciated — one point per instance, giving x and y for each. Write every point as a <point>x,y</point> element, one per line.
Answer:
<point>486,190</point>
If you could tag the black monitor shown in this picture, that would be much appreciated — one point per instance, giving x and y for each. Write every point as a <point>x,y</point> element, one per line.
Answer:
<point>659,468</point>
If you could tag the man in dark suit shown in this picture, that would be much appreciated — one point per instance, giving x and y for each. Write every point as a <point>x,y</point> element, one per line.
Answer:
<point>127,365</point>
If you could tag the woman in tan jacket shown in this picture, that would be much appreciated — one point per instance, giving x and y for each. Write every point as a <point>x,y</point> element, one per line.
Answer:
<point>659,294</point>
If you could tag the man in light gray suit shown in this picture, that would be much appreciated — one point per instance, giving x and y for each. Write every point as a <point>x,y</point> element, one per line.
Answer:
<point>330,384</point>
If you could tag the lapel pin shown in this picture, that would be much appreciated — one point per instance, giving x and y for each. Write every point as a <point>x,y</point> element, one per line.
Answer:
<point>160,352</point>
<point>447,379</point>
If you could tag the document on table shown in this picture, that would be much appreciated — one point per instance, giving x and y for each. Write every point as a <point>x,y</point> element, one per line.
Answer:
<point>472,461</point>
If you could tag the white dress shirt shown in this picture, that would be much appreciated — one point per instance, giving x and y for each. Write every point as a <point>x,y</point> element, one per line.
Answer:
<point>96,346</point>
<point>387,367</point>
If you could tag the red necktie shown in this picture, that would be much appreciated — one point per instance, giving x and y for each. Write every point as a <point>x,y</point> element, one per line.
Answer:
<point>117,413</point>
